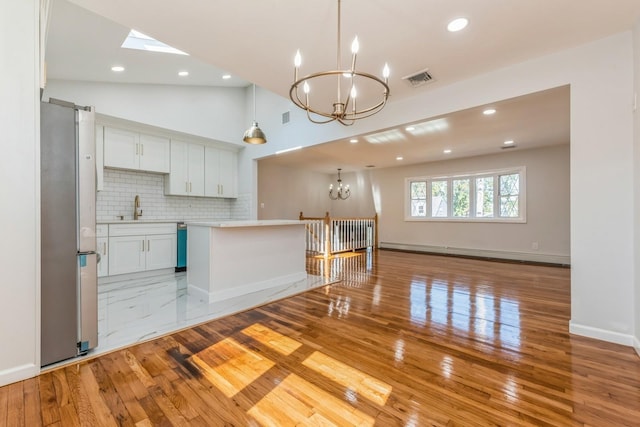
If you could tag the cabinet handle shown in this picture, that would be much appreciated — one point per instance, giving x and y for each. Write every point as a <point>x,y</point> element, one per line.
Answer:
<point>190,188</point>
<point>148,245</point>
<point>142,245</point>
<point>186,187</point>
<point>142,149</point>
<point>221,189</point>
<point>104,246</point>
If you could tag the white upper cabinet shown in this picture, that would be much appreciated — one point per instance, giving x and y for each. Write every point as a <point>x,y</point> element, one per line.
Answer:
<point>221,171</point>
<point>126,149</point>
<point>154,153</point>
<point>186,177</point>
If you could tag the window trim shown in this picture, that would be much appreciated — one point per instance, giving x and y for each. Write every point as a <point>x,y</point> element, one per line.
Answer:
<point>522,196</point>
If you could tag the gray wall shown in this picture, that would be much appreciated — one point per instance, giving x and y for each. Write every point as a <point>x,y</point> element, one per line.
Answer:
<point>287,190</point>
<point>547,192</point>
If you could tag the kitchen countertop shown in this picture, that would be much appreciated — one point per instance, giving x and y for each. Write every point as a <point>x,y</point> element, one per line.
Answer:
<point>152,221</point>
<point>243,223</point>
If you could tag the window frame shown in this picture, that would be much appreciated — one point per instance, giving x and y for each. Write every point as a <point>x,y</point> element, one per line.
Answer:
<point>471,176</point>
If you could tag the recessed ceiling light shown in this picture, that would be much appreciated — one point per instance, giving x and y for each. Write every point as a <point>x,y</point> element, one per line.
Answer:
<point>457,24</point>
<point>509,142</point>
<point>447,151</point>
<point>117,68</point>
<point>353,141</point>
<point>399,158</point>
<point>489,111</point>
<point>226,76</point>
<point>409,128</point>
<point>183,73</point>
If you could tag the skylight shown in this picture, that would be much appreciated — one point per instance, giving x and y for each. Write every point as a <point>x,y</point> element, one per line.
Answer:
<point>139,41</point>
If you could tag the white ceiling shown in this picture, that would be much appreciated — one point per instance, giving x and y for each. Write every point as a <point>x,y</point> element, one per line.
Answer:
<point>255,41</point>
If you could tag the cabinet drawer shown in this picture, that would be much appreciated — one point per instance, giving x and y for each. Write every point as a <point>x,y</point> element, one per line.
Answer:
<point>142,229</point>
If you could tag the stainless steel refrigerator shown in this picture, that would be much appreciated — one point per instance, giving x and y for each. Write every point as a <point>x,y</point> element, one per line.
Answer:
<point>69,292</point>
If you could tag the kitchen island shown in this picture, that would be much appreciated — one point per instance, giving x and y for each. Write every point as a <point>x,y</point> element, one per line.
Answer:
<point>229,259</point>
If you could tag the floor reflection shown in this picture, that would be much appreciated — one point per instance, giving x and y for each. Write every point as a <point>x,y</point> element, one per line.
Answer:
<point>469,309</point>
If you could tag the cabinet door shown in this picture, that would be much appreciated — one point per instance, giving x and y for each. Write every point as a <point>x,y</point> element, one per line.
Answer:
<point>220,173</point>
<point>211,172</point>
<point>177,182</point>
<point>161,251</point>
<point>154,153</point>
<point>102,248</point>
<point>126,254</point>
<point>121,148</point>
<point>228,172</point>
<point>196,170</point>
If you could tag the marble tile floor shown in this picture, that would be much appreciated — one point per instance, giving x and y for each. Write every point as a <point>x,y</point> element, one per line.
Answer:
<point>136,310</point>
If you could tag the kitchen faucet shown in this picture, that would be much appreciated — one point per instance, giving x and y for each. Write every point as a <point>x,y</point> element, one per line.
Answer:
<point>137,212</point>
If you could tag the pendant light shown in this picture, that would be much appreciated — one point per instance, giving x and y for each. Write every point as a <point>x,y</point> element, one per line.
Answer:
<point>254,134</point>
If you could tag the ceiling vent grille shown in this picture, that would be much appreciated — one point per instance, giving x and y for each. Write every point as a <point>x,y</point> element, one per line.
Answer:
<point>419,78</point>
<point>286,117</point>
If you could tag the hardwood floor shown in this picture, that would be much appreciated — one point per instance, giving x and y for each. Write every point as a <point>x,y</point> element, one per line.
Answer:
<point>404,339</point>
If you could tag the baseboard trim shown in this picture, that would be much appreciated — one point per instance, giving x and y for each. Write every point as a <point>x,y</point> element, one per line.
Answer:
<point>18,373</point>
<point>562,260</point>
<point>603,334</point>
<point>636,345</point>
<point>226,294</point>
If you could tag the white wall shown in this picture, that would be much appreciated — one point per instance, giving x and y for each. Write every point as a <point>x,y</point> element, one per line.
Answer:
<point>216,113</point>
<point>636,166</point>
<point>19,189</point>
<point>547,199</point>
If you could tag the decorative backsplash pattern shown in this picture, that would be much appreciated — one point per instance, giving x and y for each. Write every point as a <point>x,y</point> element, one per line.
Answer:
<point>121,187</point>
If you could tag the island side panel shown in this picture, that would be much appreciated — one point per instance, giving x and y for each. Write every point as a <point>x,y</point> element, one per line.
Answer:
<point>199,260</point>
<point>249,259</point>
<point>227,261</point>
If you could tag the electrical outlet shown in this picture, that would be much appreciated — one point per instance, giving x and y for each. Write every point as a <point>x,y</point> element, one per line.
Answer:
<point>534,246</point>
<point>262,205</point>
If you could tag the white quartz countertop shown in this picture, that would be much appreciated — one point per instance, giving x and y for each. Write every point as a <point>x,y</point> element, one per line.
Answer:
<point>244,223</point>
<point>140,221</point>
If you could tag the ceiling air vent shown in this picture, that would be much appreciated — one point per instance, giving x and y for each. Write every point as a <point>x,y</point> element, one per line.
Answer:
<point>419,78</point>
<point>506,147</point>
<point>286,117</point>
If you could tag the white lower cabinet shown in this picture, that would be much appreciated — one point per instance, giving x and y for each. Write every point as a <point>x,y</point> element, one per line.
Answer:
<point>141,247</point>
<point>102,249</point>
<point>102,244</point>
<point>127,254</point>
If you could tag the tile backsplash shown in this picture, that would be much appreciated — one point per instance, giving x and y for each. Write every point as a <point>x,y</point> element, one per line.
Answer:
<point>121,187</point>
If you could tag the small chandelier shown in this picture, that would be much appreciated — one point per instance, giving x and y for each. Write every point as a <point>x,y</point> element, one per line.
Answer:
<point>343,193</point>
<point>344,110</point>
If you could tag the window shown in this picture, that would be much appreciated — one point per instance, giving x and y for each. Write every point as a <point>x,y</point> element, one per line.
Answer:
<point>483,196</point>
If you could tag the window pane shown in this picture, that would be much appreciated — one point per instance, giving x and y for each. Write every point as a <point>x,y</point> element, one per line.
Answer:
<point>461,197</point>
<point>419,198</point>
<point>484,197</point>
<point>439,199</point>
<point>510,184</point>
<point>419,190</point>
<point>509,195</point>
<point>509,206</point>
<point>418,208</point>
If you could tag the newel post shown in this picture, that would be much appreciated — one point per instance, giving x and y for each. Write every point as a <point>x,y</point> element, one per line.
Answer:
<point>375,219</point>
<point>327,235</point>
